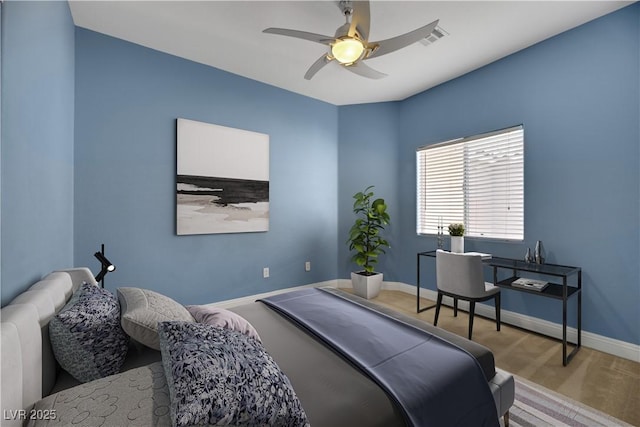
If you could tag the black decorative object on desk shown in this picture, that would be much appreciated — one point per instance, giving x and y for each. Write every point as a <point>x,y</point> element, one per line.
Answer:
<point>106,266</point>
<point>527,256</point>
<point>539,253</point>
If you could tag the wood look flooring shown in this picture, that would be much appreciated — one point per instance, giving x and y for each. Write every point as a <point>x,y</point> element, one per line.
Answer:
<point>602,381</point>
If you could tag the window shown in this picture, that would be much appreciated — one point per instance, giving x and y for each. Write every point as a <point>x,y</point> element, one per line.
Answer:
<point>477,181</point>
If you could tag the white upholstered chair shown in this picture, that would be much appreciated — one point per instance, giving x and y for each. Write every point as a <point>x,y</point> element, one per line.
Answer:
<point>460,276</point>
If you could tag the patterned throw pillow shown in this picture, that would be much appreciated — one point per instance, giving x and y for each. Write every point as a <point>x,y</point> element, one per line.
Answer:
<point>223,377</point>
<point>222,318</point>
<point>142,309</point>
<point>86,336</point>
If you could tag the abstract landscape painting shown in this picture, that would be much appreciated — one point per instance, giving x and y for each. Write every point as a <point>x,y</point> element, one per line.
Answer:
<point>222,179</point>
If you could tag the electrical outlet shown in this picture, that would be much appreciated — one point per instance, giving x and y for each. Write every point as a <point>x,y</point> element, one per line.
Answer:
<point>265,272</point>
<point>307,266</point>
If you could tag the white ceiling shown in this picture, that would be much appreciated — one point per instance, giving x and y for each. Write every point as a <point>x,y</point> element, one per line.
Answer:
<point>228,35</point>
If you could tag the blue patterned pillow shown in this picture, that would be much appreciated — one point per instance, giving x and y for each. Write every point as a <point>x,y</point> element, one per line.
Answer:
<point>223,377</point>
<point>86,336</point>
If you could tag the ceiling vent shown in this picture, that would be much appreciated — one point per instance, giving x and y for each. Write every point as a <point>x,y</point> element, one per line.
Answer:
<point>435,35</point>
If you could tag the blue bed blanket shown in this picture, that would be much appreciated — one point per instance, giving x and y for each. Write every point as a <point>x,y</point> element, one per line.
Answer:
<point>432,381</point>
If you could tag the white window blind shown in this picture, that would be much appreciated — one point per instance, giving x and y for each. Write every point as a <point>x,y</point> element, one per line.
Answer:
<point>477,181</point>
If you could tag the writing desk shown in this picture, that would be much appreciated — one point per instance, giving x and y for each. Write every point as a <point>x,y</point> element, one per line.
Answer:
<point>552,272</point>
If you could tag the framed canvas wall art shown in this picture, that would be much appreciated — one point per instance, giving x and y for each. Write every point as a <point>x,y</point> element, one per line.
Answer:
<point>222,179</point>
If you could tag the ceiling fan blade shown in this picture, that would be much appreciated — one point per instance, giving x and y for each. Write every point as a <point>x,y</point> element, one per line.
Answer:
<point>365,71</point>
<point>318,38</point>
<point>321,62</point>
<point>396,43</point>
<point>360,19</point>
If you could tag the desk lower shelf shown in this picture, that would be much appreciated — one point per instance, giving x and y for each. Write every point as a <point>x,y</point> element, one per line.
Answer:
<point>553,290</point>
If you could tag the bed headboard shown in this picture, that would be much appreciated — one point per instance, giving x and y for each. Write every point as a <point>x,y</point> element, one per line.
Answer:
<point>29,368</point>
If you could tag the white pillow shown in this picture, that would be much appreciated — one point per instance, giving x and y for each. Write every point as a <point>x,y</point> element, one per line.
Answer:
<point>142,309</point>
<point>216,316</point>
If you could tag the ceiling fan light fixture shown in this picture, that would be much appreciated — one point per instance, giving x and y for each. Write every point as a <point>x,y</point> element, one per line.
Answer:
<point>350,45</point>
<point>347,50</point>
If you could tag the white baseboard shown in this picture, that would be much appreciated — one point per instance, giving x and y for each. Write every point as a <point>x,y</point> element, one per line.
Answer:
<point>594,341</point>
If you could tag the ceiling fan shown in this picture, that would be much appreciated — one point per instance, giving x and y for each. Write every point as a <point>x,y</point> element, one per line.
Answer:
<point>350,45</point>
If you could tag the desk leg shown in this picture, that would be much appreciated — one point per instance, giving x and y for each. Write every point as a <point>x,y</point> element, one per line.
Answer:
<point>566,358</point>
<point>418,309</point>
<point>578,343</point>
<point>580,308</point>
<point>418,284</point>
<point>564,321</point>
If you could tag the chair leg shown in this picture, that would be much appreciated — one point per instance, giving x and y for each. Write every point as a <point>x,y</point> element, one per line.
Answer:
<point>472,309</point>
<point>438,304</point>
<point>455,307</point>
<point>497,303</point>
<point>506,419</point>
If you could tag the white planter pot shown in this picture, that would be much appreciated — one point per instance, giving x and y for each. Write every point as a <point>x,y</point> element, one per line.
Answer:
<point>366,286</point>
<point>457,244</point>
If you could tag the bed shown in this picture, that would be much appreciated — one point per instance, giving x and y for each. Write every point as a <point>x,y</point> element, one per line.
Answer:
<point>332,389</point>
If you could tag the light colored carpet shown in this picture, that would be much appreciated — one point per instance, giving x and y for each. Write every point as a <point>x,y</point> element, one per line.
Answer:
<point>537,406</point>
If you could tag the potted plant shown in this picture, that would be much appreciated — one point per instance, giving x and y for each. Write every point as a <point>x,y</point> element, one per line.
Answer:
<point>456,231</point>
<point>365,239</point>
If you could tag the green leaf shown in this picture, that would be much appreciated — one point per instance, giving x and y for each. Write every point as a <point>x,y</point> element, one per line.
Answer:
<point>379,206</point>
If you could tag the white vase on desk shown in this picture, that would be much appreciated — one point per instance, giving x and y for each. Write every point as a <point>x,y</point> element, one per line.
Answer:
<point>457,244</point>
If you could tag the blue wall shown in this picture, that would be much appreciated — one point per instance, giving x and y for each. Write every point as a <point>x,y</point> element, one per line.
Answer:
<point>37,142</point>
<point>127,100</point>
<point>577,95</point>
<point>368,155</point>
